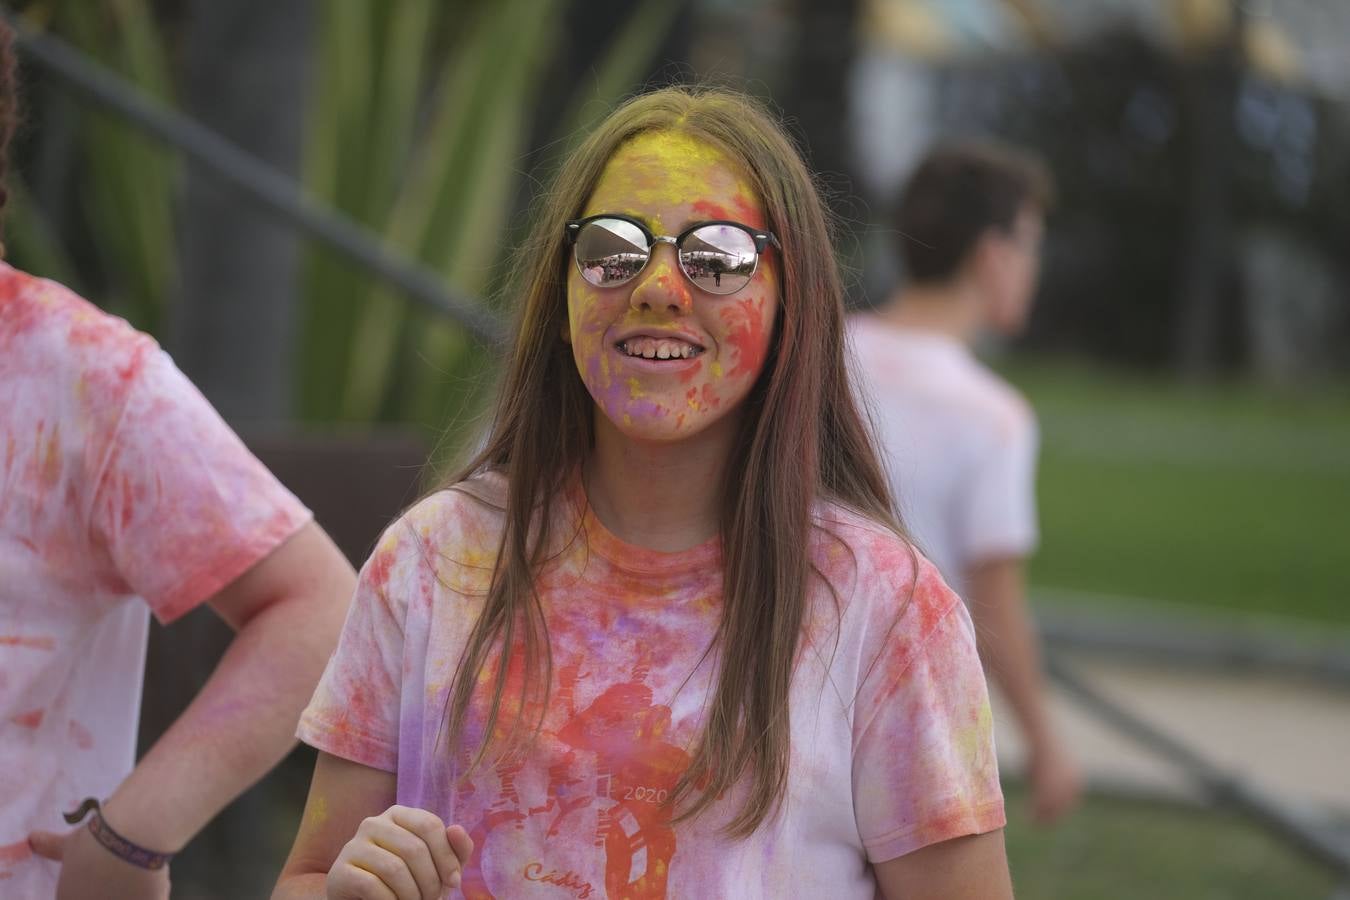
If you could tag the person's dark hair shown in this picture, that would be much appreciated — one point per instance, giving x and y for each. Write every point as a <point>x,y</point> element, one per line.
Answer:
<point>9,114</point>
<point>958,193</point>
<point>802,439</point>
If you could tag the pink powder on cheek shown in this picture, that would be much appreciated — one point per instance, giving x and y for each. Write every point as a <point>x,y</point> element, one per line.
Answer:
<point>746,333</point>
<point>692,372</point>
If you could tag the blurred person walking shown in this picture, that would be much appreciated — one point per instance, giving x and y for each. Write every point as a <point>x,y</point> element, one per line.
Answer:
<point>959,443</point>
<point>122,493</point>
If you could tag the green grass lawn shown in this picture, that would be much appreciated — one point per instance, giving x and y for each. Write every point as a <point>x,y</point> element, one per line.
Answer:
<point>1113,848</point>
<point>1228,499</point>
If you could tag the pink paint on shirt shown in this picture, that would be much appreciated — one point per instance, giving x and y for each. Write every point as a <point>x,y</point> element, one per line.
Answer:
<point>891,732</point>
<point>80,735</point>
<point>121,491</point>
<point>31,719</point>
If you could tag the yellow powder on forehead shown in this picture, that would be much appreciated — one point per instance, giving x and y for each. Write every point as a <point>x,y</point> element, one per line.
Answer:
<point>670,169</point>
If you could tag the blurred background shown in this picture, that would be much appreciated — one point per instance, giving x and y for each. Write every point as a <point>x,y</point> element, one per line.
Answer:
<point>312,205</point>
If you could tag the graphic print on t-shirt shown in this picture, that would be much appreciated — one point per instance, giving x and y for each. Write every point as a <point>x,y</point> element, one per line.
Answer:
<point>612,758</point>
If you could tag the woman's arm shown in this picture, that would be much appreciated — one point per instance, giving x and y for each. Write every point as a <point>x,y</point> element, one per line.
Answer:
<point>373,849</point>
<point>341,795</point>
<point>965,868</point>
<point>286,611</point>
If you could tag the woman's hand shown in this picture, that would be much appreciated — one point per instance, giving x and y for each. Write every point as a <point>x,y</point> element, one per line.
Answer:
<point>401,854</point>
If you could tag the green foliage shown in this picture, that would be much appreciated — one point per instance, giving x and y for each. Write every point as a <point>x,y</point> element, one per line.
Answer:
<point>420,138</point>
<point>126,181</point>
<point>417,128</point>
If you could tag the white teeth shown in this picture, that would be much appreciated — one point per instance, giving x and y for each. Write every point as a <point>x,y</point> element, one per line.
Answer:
<point>651,348</point>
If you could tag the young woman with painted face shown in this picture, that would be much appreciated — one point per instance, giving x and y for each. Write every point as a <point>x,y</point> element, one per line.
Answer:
<point>662,636</point>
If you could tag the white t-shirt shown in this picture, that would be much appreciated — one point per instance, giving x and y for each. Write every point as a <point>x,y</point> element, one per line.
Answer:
<point>891,732</point>
<point>121,490</point>
<point>959,444</point>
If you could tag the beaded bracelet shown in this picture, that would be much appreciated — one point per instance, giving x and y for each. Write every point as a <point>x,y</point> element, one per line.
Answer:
<point>115,844</point>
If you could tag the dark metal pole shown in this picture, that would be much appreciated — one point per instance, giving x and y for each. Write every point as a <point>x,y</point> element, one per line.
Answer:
<point>258,182</point>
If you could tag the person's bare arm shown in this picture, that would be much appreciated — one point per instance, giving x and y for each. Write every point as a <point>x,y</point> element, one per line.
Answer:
<point>1008,646</point>
<point>287,611</point>
<point>965,868</point>
<point>354,842</point>
<point>341,795</point>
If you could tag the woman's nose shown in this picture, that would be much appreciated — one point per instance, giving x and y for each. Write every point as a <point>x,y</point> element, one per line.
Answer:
<point>663,286</point>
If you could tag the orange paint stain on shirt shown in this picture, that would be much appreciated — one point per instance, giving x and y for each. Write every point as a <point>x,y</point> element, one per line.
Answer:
<point>15,853</point>
<point>31,719</point>
<point>47,450</point>
<point>32,643</point>
<point>11,449</point>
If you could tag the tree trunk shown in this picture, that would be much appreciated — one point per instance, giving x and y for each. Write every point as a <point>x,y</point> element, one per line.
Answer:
<point>246,66</point>
<point>1209,92</point>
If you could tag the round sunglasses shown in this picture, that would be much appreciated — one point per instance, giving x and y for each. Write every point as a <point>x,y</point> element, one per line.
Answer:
<point>719,257</point>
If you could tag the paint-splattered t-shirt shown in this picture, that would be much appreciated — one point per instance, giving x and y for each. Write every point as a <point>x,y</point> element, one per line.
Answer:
<point>890,722</point>
<point>959,444</point>
<point>120,489</point>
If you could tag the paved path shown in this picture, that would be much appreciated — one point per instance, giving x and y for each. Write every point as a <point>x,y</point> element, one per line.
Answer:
<point>1286,736</point>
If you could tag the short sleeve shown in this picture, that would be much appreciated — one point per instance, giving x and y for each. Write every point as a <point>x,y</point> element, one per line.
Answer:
<point>180,505</point>
<point>924,768</point>
<point>354,713</point>
<point>997,513</point>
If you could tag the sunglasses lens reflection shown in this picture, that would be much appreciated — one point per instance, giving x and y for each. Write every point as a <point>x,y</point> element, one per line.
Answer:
<point>611,251</point>
<point>720,259</point>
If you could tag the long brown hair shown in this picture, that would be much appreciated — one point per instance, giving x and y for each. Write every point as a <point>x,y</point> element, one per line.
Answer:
<point>801,439</point>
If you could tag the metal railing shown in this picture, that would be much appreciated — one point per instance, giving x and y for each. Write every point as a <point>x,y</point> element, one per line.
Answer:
<point>271,190</point>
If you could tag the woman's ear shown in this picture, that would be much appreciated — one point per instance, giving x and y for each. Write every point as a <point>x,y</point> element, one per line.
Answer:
<point>566,333</point>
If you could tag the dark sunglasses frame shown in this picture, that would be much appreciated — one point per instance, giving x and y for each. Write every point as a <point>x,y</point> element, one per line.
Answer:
<point>762,240</point>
